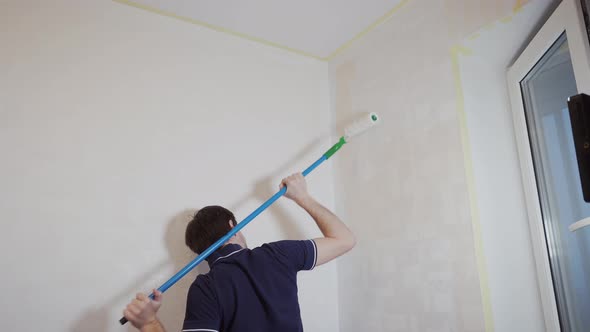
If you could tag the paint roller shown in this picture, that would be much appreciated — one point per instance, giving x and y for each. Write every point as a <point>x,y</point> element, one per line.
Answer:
<point>362,124</point>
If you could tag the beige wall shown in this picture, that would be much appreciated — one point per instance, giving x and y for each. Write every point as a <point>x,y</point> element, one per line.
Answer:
<point>114,123</point>
<point>403,187</point>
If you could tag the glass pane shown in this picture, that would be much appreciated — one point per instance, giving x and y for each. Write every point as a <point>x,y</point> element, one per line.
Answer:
<point>545,91</point>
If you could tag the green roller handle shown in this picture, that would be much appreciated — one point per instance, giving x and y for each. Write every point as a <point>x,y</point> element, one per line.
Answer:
<point>335,148</point>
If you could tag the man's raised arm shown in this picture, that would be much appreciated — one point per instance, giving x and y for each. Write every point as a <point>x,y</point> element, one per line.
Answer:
<point>338,239</point>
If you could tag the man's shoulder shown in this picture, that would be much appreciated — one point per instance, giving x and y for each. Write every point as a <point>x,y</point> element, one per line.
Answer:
<point>298,254</point>
<point>202,287</point>
<point>272,248</point>
<point>269,250</point>
<point>285,244</point>
<point>202,280</point>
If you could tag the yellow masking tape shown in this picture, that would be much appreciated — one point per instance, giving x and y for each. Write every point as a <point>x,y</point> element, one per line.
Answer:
<point>456,51</point>
<point>368,29</point>
<point>218,28</point>
<point>518,6</point>
<point>506,19</point>
<point>474,36</point>
<point>489,26</point>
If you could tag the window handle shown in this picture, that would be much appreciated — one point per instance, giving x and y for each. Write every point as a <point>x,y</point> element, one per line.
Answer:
<point>579,224</point>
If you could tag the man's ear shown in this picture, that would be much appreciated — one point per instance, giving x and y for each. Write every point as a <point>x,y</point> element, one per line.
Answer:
<point>231,224</point>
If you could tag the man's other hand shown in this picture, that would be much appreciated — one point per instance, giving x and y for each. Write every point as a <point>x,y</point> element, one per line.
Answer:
<point>142,311</point>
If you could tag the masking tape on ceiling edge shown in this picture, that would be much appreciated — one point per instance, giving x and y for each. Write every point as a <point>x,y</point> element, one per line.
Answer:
<point>518,6</point>
<point>474,36</point>
<point>368,29</point>
<point>456,51</point>
<point>344,46</point>
<point>219,29</point>
<point>506,19</point>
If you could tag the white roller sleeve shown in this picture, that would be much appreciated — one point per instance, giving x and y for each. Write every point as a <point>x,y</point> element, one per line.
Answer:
<point>361,125</point>
<point>577,225</point>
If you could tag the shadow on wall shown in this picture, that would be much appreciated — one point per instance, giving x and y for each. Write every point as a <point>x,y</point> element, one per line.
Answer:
<point>99,320</point>
<point>173,310</point>
<point>265,187</point>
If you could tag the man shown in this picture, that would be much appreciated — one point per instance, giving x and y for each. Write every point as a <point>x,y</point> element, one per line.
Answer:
<point>249,290</point>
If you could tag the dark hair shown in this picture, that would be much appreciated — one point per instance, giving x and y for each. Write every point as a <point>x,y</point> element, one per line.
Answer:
<point>207,226</point>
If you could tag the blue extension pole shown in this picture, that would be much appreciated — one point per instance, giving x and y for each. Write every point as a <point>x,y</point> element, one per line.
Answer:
<point>356,128</point>
<point>231,233</point>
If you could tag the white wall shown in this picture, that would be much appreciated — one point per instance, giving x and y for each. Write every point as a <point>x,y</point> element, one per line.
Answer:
<point>114,125</point>
<point>513,284</point>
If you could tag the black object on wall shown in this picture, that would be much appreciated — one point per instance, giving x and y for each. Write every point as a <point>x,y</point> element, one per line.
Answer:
<point>585,11</point>
<point>579,108</point>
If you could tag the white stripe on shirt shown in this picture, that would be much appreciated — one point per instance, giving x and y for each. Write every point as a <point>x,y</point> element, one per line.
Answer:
<point>315,254</point>
<point>219,259</point>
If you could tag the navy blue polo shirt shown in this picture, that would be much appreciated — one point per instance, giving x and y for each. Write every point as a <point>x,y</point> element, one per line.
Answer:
<point>250,290</point>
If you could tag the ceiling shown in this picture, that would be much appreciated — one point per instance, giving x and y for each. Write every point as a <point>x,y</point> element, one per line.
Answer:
<point>319,29</point>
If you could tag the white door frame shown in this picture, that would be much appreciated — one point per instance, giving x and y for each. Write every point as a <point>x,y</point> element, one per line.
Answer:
<point>566,18</point>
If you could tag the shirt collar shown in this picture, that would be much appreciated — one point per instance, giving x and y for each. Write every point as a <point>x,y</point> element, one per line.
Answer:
<point>225,251</point>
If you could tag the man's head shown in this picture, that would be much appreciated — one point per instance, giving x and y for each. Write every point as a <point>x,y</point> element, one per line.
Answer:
<point>208,225</point>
